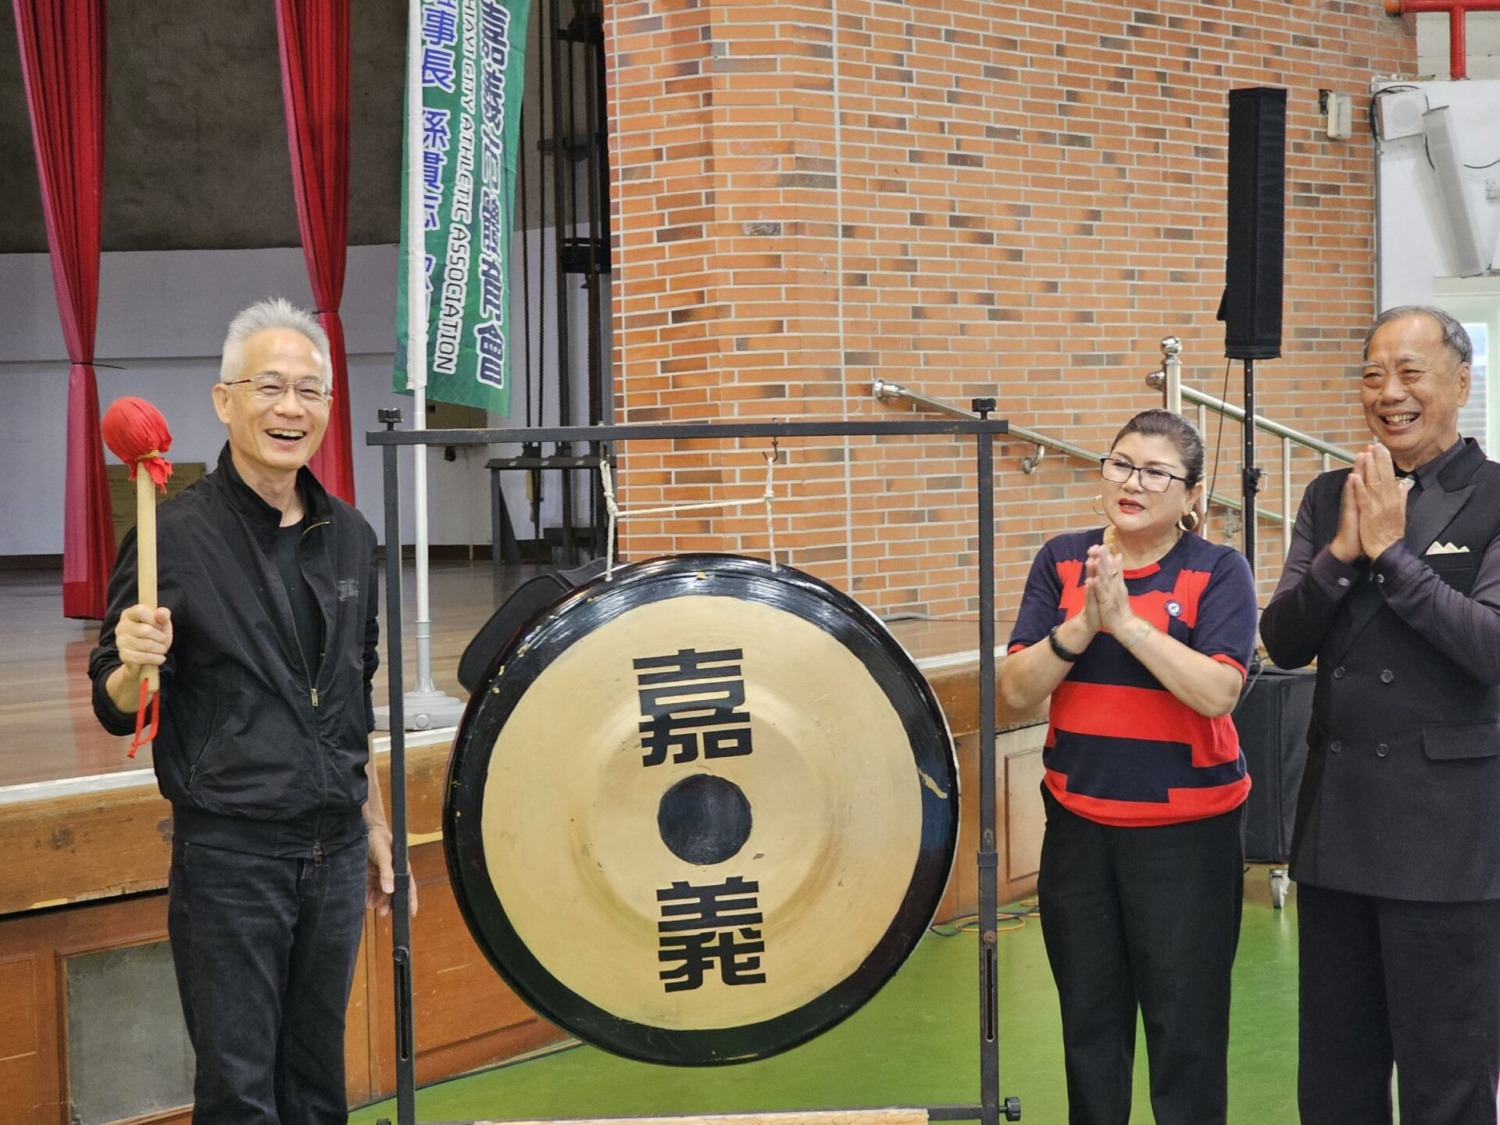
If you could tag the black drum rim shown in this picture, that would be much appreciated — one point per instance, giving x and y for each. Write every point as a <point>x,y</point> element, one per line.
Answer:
<point>551,633</point>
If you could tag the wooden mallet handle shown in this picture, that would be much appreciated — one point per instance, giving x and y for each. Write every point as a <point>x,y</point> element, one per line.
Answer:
<point>137,434</point>
<point>145,546</point>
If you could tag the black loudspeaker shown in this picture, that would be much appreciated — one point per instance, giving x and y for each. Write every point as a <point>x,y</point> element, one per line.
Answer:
<point>1272,718</point>
<point>1251,309</point>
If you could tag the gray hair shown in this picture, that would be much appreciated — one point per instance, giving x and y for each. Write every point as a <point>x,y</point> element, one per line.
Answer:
<point>1455,337</point>
<point>263,316</point>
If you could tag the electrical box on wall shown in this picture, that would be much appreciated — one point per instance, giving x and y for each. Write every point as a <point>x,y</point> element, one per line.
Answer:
<point>1398,113</point>
<point>1338,109</point>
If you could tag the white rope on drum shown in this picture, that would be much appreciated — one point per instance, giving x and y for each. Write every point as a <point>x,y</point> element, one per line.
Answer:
<point>618,514</point>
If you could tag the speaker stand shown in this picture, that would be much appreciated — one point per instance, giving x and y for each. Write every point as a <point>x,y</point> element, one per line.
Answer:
<point>1250,475</point>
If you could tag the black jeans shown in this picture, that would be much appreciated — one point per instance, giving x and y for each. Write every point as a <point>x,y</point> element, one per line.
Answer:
<point>1144,918</point>
<point>1383,983</point>
<point>264,950</point>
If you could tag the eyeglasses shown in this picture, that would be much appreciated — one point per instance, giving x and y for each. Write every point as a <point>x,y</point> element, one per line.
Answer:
<point>1152,478</point>
<point>271,388</point>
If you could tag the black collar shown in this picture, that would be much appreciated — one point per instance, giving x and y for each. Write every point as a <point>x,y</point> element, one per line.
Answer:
<point>315,501</point>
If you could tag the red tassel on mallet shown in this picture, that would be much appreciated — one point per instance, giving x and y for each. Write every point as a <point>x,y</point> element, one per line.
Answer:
<point>137,434</point>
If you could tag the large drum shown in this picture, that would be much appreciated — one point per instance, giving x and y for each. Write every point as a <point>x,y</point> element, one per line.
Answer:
<point>699,812</point>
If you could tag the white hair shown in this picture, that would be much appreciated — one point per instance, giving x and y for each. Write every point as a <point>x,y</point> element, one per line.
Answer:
<point>277,312</point>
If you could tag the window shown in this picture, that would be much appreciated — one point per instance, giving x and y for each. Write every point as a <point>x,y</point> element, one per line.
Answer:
<point>1476,303</point>
<point>1476,418</point>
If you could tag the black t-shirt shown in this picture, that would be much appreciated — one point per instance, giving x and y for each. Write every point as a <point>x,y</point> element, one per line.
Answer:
<point>305,616</point>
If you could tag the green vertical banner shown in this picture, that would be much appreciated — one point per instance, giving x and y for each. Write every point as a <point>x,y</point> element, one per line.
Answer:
<point>471,62</point>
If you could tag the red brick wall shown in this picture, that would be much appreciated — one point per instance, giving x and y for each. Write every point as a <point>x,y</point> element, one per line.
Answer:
<point>1006,199</point>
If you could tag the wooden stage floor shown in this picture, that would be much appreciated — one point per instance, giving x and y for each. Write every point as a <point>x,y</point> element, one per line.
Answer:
<point>51,741</point>
<point>49,731</point>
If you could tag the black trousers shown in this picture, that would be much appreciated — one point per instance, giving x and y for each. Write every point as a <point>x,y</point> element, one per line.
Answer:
<point>1383,983</point>
<point>1148,919</point>
<point>264,951</point>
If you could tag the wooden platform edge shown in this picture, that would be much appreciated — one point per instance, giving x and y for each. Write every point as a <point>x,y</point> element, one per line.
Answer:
<point>80,846</point>
<point>88,845</point>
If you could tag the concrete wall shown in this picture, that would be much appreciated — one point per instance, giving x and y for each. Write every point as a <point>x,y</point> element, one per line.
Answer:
<point>162,317</point>
<point>199,220</point>
<point>195,133</point>
<point>1482,32</point>
<point>195,130</point>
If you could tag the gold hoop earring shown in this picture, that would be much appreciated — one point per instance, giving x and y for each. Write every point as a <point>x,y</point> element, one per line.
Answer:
<point>1183,523</point>
<point>1097,505</point>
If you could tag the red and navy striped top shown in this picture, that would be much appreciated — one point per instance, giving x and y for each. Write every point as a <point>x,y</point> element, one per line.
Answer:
<point>1121,749</point>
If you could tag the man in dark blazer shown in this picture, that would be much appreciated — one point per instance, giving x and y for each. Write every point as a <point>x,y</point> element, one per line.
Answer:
<point>1393,585</point>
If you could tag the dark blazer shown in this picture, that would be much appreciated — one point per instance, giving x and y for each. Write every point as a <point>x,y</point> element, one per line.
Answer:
<point>1401,794</point>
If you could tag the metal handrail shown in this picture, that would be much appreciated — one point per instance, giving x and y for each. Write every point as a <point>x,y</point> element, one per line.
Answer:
<point>1157,381</point>
<point>888,391</point>
<point>1168,380</point>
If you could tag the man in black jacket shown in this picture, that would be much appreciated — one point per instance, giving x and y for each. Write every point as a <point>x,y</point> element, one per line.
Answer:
<point>1393,584</point>
<point>266,643</point>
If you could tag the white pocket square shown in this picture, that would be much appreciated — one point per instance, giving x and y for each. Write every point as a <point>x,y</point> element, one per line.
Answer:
<point>1447,549</point>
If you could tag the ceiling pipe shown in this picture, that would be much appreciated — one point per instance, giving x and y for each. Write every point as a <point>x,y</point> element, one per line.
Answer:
<point>1457,10</point>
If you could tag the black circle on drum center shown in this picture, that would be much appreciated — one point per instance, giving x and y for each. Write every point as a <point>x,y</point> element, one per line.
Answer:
<point>704,819</point>
<point>544,660</point>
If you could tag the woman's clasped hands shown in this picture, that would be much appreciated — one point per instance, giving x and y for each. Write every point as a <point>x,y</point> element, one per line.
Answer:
<point>1106,603</point>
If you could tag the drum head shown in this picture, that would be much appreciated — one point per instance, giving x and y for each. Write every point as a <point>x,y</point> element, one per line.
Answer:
<point>700,812</point>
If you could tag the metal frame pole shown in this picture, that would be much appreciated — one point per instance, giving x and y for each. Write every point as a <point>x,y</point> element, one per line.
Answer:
<point>406,1089</point>
<point>990,1107</point>
<point>988,858</point>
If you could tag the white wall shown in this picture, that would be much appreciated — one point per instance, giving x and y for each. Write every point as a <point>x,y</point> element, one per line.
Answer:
<point>162,318</point>
<point>1482,39</point>
<point>1415,239</point>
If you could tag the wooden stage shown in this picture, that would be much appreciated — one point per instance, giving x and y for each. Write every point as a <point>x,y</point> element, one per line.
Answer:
<point>86,838</point>
<point>50,735</point>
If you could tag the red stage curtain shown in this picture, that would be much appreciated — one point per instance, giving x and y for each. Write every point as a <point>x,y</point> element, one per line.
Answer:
<point>62,63</point>
<point>314,37</point>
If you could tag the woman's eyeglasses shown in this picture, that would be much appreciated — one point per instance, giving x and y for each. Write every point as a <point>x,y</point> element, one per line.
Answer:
<point>1152,478</point>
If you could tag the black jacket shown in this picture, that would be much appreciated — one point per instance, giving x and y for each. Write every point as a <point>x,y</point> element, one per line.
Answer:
<point>255,752</point>
<point>1401,794</point>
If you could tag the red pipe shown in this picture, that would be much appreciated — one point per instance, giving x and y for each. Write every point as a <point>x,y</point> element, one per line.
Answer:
<point>1457,10</point>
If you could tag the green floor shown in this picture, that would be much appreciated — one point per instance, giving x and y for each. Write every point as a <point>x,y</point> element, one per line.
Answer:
<point>915,1043</point>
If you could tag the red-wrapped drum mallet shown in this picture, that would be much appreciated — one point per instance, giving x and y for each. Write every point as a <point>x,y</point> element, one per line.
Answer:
<point>137,434</point>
